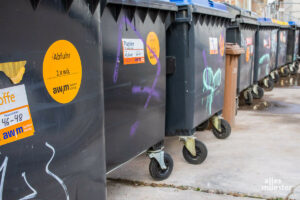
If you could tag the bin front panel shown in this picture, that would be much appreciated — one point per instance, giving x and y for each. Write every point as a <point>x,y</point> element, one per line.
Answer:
<point>296,49</point>
<point>135,81</point>
<point>282,41</point>
<point>274,44</point>
<point>195,91</point>
<point>263,63</point>
<point>246,61</point>
<point>51,101</point>
<point>209,74</point>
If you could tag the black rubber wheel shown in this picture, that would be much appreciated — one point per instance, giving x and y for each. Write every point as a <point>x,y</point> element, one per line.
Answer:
<point>285,72</point>
<point>297,67</point>
<point>260,94</point>
<point>249,99</point>
<point>201,153</point>
<point>156,172</point>
<point>293,71</point>
<point>276,78</point>
<point>225,130</point>
<point>203,126</point>
<point>270,84</point>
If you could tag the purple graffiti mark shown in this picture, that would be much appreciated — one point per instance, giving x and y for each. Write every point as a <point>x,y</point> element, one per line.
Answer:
<point>134,127</point>
<point>116,70</point>
<point>204,58</point>
<point>139,89</point>
<point>155,56</point>
<point>151,91</point>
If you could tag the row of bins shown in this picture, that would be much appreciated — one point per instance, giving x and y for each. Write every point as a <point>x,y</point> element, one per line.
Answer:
<point>88,85</point>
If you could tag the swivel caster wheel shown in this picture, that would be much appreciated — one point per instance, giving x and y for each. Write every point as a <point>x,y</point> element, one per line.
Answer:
<point>293,70</point>
<point>269,84</point>
<point>260,93</point>
<point>203,126</point>
<point>201,153</point>
<point>275,77</point>
<point>284,72</point>
<point>156,172</point>
<point>225,130</point>
<point>248,98</point>
<point>297,66</point>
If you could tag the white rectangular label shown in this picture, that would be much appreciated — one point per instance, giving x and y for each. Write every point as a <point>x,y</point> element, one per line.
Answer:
<point>12,97</point>
<point>213,45</point>
<point>14,117</point>
<point>133,51</point>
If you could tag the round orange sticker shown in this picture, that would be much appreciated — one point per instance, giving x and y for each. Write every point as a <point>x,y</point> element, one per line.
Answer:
<point>152,43</point>
<point>222,45</point>
<point>62,71</point>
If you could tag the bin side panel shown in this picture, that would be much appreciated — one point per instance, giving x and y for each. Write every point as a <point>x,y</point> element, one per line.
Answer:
<point>179,112</point>
<point>296,49</point>
<point>134,93</point>
<point>64,159</point>
<point>290,45</point>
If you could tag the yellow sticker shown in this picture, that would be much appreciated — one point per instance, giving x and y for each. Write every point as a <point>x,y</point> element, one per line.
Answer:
<point>14,70</point>
<point>62,71</point>
<point>152,43</point>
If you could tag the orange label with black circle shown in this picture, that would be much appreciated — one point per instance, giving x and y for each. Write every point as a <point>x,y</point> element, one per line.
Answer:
<point>62,71</point>
<point>153,43</point>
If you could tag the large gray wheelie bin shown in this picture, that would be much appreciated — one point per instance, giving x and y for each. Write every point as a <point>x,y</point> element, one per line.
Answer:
<point>134,54</point>
<point>51,101</point>
<point>196,75</point>
<point>242,31</point>
<point>281,61</point>
<point>294,46</point>
<point>266,53</point>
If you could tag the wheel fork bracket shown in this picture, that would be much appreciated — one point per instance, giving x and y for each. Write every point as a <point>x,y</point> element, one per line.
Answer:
<point>216,122</point>
<point>272,75</point>
<point>255,89</point>
<point>189,143</point>
<point>266,82</point>
<point>159,156</point>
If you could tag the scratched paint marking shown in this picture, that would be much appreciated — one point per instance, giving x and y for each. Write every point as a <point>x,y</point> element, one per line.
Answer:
<point>265,59</point>
<point>3,169</point>
<point>53,175</point>
<point>150,91</point>
<point>134,127</point>
<point>211,82</point>
<point>33,194</point>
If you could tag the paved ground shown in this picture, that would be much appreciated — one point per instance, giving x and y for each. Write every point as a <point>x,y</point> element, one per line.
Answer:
<point>261,159</point>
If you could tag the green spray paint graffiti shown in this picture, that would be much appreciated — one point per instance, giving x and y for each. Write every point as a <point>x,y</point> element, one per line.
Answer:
<point>211,82</point>
<point>265,59</point>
